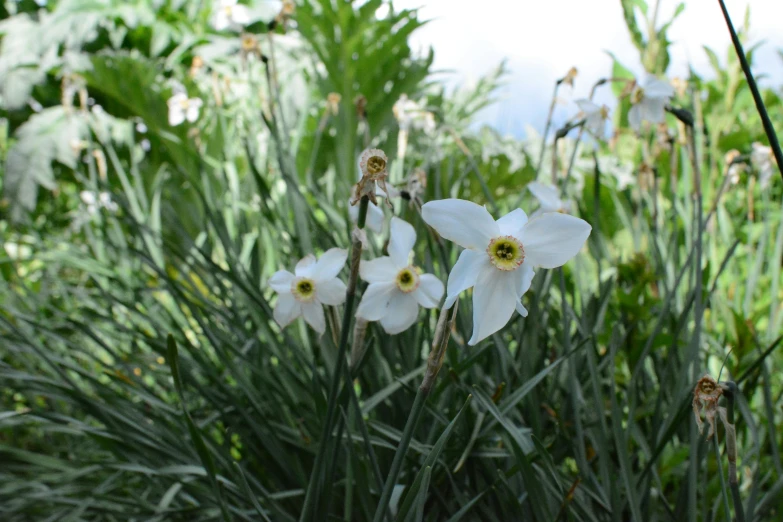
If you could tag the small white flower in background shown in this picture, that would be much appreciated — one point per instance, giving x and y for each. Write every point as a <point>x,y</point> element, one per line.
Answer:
<point>397,288</point>
<point>499,256</point>
<point>595,116</point>
<point>95,202</point>
<point>104,198</point>
<point>410,114</point>
<point>230,14</point>
<point>649,101</point>
<point>182,108</point>
<point>312,285</point>
<point>761,157</point>
<point>735,169</point>
<point>549,198</point>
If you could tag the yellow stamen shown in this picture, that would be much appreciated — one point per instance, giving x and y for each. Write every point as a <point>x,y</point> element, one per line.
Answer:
<point>407,279</point>
<point>303,289</point>
<point>506,253</point>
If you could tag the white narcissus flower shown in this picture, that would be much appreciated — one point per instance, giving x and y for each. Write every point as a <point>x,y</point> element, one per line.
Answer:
<point>761,158</point>
<point>93,203</point>
<point>499,256</point>
<point>649,101</point>
<point>596,117</point>
<point>312,285</point>
<point>181,108</point>
<point>397,288</point>
<point>230,14</point>
<point>549,198</point>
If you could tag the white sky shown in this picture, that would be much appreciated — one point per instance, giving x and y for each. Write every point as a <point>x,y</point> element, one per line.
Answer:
<point>542,39</point>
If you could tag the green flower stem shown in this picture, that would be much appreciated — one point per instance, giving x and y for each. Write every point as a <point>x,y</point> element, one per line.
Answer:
<point>730,392</point>
<point>768,128</point>
<point>315,483</point>
<point>434,363</point>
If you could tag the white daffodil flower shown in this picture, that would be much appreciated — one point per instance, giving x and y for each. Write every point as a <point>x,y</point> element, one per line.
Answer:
<point>761,158</point>
<point>312,285</point>
<point>549,198</point>
<point>397,288</point>
<point>649,101</point>
<point>595,116</point>
<point>499,256</point>
<point>181,108</point>
<point>230,14</point>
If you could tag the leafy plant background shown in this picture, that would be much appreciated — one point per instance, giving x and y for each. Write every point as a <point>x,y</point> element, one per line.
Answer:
<point>581,411</point>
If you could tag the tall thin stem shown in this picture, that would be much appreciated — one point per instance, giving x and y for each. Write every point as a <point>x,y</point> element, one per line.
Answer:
<point>434,363</point>
<point>768,128</point>
<point>315,483</point>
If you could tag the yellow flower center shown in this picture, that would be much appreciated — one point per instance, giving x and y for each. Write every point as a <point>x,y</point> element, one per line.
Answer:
<point>604,112</point>
<point>184,103</point>
<point>376,165</point>
<point>303,289</point>
<point>249,42</point>
<point>506,253</point>
<point>637,95</point>
<point>407,279</point>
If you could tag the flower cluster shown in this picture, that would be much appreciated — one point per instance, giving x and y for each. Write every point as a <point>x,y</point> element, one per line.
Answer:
<point>498,261</point>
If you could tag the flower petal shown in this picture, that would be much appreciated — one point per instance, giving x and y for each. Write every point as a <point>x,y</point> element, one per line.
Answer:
<point>494,302</point>
<point>240,14</point>
<point>304,268</point>
<point>401,241</point>
<point>313,313</point>
<point>463,222</point>
<point>587,107</point>
<point>330,292</point>
<point>176,116</point>
<point>655,88</point>
<point>374,217</point>
<point>400,314</point>
<point>430,291</point>
<point>511,224</point>
<point>281,281</point>
<point>375,301</point>
<point>635,117</point>
<point>286,310</point>
<point>521,309</point>
<point>547,195</point>
<point>524,278</point>
<point>464,273</point>
<point>552,239</point>
<point>378,270</point>
<point>329,264</point>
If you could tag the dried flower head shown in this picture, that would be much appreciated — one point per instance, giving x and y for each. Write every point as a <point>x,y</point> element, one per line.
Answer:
<point>705,397</point>
<point>570,76</point>
<point>333,102</point>
<point>196,65</point>
<point>735,166</point>
<point>373,168</point>
<point>249,47</point>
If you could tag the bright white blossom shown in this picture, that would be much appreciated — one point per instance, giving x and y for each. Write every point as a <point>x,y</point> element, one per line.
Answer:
<point>230,14</point>
<point>499,256</point>
<point>182,108</point>
<point>549,198</point>
<point>410,114</point>
<point>649,101</point>
<point>397,287</point>
<point>312,285</point>
<point>761,157</point>
<point>595,116</point>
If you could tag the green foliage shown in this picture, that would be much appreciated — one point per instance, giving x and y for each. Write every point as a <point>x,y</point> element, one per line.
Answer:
<point>147,379</point>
